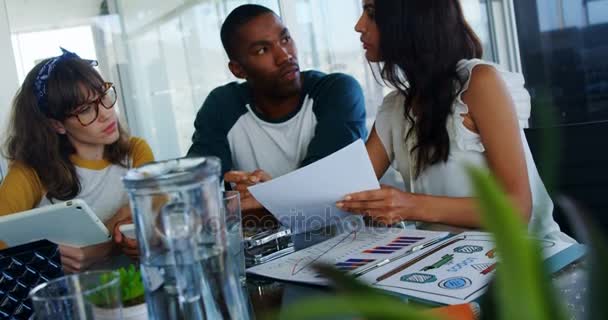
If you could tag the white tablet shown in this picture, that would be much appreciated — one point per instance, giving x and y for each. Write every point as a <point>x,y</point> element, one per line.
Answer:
<point>71,223</point>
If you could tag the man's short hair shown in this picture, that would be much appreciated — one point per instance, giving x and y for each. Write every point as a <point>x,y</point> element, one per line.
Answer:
<point>236,19</point>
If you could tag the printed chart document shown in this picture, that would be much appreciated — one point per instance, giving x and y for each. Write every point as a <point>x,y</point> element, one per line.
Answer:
<point>305,199</point>
<point>452,270</point>
<point>456,271</point>
<point>350,252</point>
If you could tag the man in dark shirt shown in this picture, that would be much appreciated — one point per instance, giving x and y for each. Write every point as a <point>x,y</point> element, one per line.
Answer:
<point>279,119</point>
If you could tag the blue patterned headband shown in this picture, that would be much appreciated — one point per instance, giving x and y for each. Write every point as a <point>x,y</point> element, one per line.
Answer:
<point>40,84</point>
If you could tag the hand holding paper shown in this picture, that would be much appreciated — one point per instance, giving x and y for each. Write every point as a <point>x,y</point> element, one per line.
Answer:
<point>305,199</point>
<point>388,205</point>
<point>241,181</point>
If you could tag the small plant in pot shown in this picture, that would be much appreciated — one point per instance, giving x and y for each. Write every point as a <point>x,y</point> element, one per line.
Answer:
<point>132,290</point>
<point>132,295</point>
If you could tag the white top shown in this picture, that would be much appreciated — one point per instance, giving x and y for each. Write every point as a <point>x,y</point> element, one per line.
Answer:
<point>101,181</point>
<point>102,190</point>
<point>450,178</point>
<point>279,148</point>
<point>330,116</point>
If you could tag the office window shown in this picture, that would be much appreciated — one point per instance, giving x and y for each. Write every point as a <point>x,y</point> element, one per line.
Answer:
<point>476,13</point>
<point>596,11</point>
<point>175,59</point>
<point>564,45</point>
<point>38,45</point>
<point>336,51</point>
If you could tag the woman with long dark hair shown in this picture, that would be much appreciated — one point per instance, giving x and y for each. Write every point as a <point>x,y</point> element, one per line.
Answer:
<point>64,142</point>
<point>449,108</point>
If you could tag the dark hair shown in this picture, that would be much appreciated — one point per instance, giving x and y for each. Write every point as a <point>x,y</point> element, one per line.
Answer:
<point>421,43</point>
<point>235,20</point>
<point>33,142</point>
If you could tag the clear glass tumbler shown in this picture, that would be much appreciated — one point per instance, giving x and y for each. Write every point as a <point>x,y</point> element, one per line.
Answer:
<point>87,296</point>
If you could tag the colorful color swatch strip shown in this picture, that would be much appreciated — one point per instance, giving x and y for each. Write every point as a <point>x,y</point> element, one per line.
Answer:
<point>395,245</point>
<point>352,264</point>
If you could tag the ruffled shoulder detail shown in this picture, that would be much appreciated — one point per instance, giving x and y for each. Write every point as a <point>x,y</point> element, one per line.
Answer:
<point>466,139</point>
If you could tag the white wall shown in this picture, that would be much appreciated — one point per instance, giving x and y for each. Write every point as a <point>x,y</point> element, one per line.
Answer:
<point>8,78</point>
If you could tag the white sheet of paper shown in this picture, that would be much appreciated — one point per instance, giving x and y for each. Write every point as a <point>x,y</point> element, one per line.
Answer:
<point>305,199</point>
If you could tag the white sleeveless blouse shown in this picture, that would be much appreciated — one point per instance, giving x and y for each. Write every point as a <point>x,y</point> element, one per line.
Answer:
<point>450,178</point>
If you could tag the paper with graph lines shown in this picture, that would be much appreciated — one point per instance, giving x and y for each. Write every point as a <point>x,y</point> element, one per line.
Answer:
<point>348,252</point>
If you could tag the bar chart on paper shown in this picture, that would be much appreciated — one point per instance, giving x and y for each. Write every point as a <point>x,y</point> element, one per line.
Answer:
<point>348,252</point>
<point>395,245</point>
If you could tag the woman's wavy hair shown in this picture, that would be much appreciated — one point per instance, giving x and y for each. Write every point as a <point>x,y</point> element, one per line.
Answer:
<point>32,141</point>
<point>420,44</point>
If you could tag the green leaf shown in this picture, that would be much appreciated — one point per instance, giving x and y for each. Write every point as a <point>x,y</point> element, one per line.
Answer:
<point>354,299</point>
<point>343,282</point>
<point>524,288</point>
<point>131,284</point>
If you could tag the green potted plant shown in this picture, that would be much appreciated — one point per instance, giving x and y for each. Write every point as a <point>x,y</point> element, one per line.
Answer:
<point>132,295</point>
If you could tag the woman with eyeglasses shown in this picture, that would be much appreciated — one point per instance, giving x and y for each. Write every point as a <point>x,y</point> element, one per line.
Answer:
<point>449,109</point>
<point>64,142</point>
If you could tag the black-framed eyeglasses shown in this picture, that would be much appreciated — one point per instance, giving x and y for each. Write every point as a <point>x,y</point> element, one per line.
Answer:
<point>88,112</point>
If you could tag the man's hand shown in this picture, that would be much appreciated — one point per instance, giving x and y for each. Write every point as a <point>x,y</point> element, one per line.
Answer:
<point>250,203</point>
<point>241,180</point>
